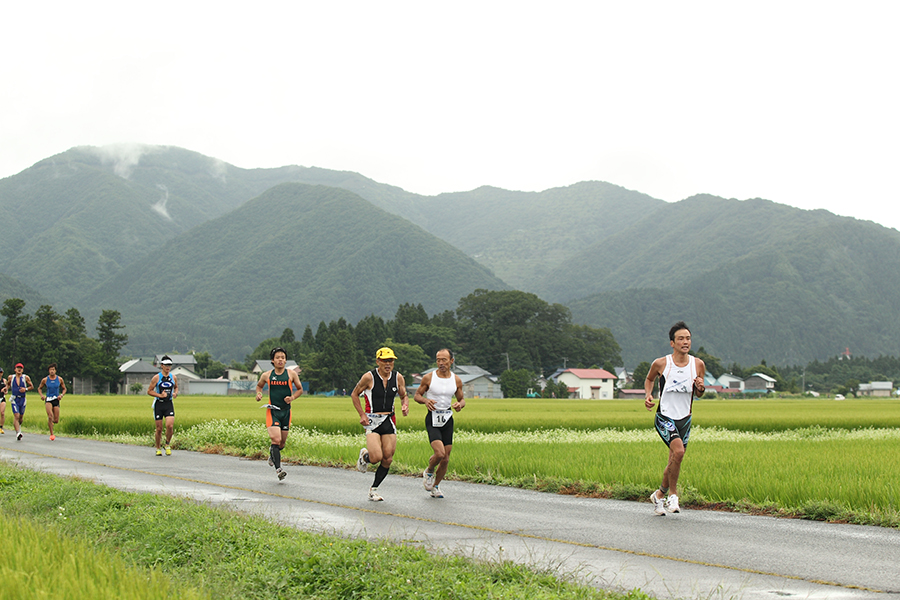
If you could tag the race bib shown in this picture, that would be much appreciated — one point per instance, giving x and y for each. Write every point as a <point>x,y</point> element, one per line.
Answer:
<point>375,420</point>
<point>439,418</point>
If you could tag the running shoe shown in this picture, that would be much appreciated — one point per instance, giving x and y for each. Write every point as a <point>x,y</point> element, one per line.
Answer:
<point>436,492</point>
<point>1,430</point>
<point>659,505</point>
<point>672,504</point>
<point>271,462</point>
<point>429,480</point>
<point>168,450</point>
<point>281,474</point>
<point>159,452</point>
<point>373,495</point>
<point>362,463</point>
<point>19,435</point>
<point>52,437</point>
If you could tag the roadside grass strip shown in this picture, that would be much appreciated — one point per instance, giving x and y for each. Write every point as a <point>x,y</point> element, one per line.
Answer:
<point>226,554</point>
<point>38,561</point>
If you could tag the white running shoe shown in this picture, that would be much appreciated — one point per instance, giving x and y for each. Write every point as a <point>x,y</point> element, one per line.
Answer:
<point>659,505</point>
<point>672,504</point>
<point>429,480</point>
<point>19,435</point>
<point>281,474</point>
<point>436,492</point>
<point>362,463</point>
<point>373,495</point>
<point>271,462</point>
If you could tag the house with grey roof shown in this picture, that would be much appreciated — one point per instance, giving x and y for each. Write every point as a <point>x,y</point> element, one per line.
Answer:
<point>881,389</point>
<point>759,383</point>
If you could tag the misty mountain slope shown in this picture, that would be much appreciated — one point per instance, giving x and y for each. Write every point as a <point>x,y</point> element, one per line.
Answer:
<point>297,254</point>
<point>832,287</point>
<point>523,237</point>
<point>680,242</point>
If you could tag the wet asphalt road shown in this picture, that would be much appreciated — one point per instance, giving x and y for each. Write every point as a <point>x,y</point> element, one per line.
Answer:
<point>607,543</point>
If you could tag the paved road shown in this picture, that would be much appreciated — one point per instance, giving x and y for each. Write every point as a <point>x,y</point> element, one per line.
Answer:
<point>608,543</point>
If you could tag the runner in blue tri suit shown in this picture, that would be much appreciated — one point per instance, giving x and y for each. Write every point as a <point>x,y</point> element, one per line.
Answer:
<point>379,387</point>
<point>56,389</point>
<point>680,380</point>
<point>164,389</point>
<point>18,384</point>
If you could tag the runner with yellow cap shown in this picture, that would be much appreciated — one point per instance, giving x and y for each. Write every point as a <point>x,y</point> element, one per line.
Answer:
<point>378,388</point>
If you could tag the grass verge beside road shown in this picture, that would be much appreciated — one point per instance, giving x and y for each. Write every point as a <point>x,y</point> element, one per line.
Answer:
<point>216,553</point>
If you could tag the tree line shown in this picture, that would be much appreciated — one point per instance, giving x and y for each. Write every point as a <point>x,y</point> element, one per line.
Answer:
<point>49,337</point>
<point>500,331</point>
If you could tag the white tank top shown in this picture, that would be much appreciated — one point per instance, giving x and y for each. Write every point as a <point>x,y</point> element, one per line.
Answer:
<point>441,391</point>
<point>677,388</point>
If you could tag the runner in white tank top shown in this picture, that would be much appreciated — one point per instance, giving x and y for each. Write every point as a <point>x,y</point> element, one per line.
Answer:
<point>436,392</point>
<point>680,379</point>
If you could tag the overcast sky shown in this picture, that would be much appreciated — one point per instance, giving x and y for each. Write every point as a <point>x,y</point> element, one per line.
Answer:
<point>796,102</point>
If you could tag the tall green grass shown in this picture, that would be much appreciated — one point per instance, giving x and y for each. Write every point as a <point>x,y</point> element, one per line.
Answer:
<point>229,555</point>
<point>39,562</point>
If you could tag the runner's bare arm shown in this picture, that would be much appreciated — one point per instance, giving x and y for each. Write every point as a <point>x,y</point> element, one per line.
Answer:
<point>404,397</point>
<point>420,393</point>
<point>460,400</point>
<point>263,380</point>
<point>365,382</point>
<point>655,370</point>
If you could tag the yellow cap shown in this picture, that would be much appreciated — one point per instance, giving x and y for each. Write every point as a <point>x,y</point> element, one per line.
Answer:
<point>385,353</point>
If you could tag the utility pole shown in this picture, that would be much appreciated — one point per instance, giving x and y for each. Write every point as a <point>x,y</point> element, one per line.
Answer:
<point>506,354</point>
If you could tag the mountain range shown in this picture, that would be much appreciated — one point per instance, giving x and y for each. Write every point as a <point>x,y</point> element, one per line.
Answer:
<point>197,253</point>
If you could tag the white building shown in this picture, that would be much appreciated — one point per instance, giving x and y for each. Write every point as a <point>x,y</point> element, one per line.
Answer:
<point>589,384</point>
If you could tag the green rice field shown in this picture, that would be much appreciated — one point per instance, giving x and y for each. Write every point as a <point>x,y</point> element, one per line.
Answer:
<point>820,459</point>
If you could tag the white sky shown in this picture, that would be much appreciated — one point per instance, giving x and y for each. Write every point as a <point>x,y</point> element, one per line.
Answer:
<point>796,102</point>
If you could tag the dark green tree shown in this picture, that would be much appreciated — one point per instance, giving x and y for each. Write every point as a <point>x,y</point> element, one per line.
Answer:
<point>207,367</point>
<point>713,364</point>
<point>514,383</point>
<point>338,366</point>
<point>640,375</point>
<point>410,358</point>
<point>489,320</point>
<point>14,336</point>
<point>308,341</point>
<point>370,333</point>
<point>111,344</point>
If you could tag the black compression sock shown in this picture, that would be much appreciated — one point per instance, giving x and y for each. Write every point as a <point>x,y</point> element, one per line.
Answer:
<point>275,453</point>
<point>380,474</point>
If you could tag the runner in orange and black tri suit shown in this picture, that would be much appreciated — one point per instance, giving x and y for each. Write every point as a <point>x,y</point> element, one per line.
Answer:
<point>379,387</point>
<point>284,388</point>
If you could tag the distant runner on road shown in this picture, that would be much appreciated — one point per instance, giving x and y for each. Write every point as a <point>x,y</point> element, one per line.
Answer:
<point>3,389</point>
<point>680,379</point>
<point>437,391</point>
<point>164,388</point>
<point>56,389</point>
<point>284,388</point>
<point>378,388</point>
<point>19,384</point>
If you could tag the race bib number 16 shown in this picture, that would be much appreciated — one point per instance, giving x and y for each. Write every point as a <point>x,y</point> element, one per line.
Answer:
<point>439,418</point>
